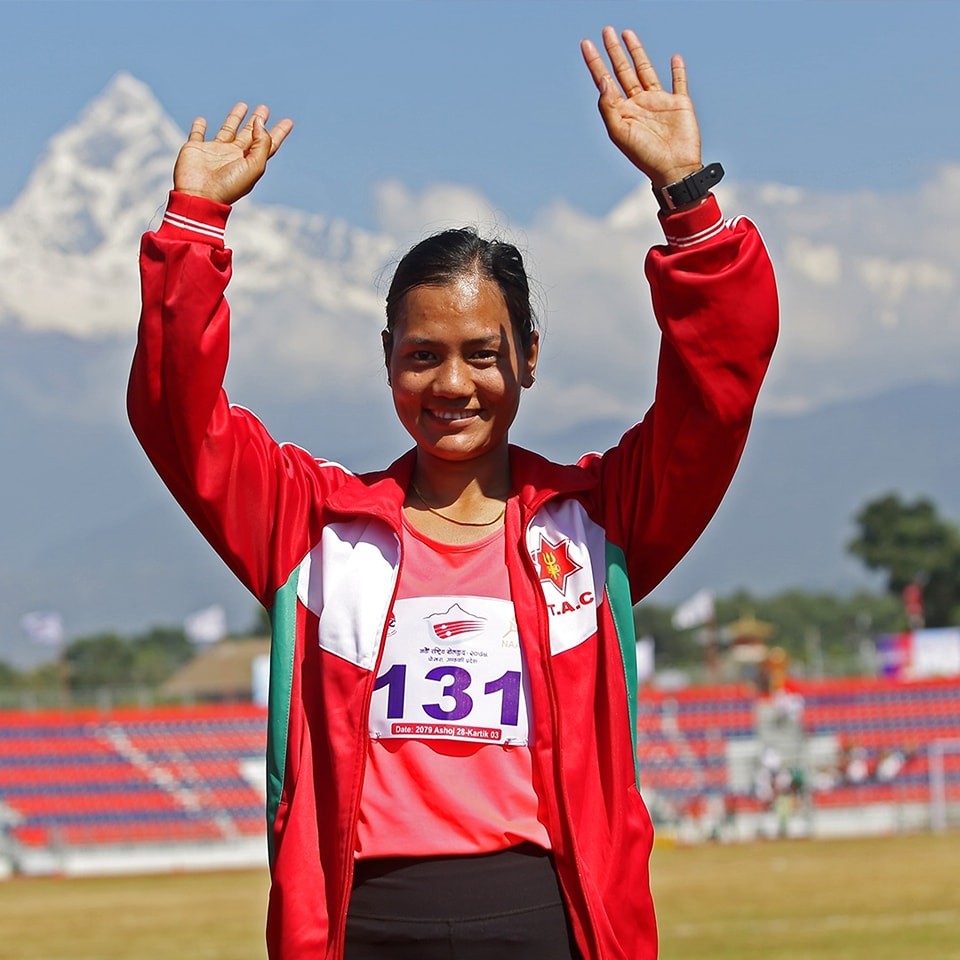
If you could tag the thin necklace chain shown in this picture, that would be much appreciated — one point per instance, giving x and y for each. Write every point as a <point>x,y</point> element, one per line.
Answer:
<point>459,523</point>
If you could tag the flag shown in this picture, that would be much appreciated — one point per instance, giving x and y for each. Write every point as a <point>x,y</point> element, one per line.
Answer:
<point>645,659</point>
<point>697,610</point>
<point>913,604</point>
<point>260,679</point>
<point>206,626</point>
<point>44,627</point>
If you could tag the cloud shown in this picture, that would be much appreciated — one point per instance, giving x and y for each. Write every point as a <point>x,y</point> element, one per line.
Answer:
<point>868,289</point>
<point>821,263</point>
<point>408,216</point>
<point>868,286</point>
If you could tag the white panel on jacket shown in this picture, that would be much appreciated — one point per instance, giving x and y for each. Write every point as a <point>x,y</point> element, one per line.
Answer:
<point>569,554</point>
<point>347,580</point>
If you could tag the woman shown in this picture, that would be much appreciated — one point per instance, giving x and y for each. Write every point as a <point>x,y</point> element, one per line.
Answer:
<point>451,757</point>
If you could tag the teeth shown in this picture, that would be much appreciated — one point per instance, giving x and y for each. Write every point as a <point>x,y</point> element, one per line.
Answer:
<point>452,415</point>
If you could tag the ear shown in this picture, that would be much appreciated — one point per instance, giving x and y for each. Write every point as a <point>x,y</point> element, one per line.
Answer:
<point>386,338</point>
<point>530,361</point>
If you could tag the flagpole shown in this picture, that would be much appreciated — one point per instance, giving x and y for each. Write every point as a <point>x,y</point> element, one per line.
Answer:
<point>710,647</point>
<point>63,676</point>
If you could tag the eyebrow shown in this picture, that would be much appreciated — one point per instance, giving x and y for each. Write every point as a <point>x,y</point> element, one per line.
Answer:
<point>493,339</point>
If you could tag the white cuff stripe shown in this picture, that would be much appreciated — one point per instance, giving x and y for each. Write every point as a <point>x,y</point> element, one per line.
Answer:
<point>185,223</point>
<point>700,236</point>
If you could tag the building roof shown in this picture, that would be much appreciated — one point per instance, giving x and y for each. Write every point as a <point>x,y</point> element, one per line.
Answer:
<point>223,671</point>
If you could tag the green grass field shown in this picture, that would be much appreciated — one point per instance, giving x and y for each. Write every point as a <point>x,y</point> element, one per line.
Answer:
<point>892,898</point>
<point>895,898</point>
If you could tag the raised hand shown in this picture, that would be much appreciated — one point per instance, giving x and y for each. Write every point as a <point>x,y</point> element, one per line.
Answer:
<point>227,167</point>
<point>655,129</point>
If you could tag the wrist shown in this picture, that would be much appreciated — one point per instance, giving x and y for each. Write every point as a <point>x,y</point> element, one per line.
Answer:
<point>663,178</point>
<point>689,190</point>
<point>202,194</point>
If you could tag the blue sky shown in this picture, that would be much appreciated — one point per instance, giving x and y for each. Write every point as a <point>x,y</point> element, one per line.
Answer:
<point>493,94</point>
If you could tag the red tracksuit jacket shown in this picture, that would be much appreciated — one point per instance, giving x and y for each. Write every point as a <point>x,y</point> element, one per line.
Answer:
<point>319,547</point>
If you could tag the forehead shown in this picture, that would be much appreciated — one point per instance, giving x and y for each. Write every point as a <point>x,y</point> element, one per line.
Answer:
<point>469,306</point>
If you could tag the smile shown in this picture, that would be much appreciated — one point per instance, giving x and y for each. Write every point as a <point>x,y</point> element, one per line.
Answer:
<point>450,416</point>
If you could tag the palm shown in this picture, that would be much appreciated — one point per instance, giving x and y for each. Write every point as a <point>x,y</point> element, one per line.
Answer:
<point>212,167</point>
<point>655,129</point>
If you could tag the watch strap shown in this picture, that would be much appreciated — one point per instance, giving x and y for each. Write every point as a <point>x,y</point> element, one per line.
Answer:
<point>692,187</point>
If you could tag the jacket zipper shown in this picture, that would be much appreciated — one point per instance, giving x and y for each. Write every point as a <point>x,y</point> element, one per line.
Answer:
<point>544,618</point>
<point>364,746</point>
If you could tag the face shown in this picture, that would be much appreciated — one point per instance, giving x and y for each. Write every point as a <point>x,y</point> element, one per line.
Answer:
<point>457,367</point>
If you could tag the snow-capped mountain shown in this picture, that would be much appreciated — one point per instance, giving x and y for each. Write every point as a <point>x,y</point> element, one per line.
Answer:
<point>68,243</point>
<point>65,243</point>
<point>98,178</point>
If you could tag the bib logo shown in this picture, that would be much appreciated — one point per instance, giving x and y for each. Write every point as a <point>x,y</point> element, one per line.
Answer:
<point>454,623</point>
<point>554,563</point>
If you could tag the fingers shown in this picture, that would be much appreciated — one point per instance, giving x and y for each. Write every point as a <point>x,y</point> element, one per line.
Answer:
<point>278,134</point>
<point>622,67</point>
<point>679,70</point>
<point>635,73</point>
<point>596,65</point>
<point>264,145</point>
<point>228,132</point>
<point>259,148</point>
<point>246,136</point>
<point>642,68</point>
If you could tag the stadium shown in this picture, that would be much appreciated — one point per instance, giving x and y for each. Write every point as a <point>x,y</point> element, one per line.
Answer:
<point>804,809</point>
<point>150,800</point>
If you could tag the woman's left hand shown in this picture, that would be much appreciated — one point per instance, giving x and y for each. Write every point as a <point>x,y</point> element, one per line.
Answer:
<point>654,129</point>
<point>227,167</point>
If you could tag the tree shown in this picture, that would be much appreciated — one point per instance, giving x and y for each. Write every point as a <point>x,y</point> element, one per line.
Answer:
<point>109,660</point>
<point>158,653</point>
<point>911,544</point>
<point>8,675</point>
<point>102,660</point>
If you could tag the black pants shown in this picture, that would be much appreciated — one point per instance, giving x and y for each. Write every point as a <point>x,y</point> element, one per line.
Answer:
<point>504,905</point>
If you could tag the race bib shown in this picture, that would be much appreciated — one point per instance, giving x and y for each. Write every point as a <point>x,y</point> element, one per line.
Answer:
<point>452,669</point>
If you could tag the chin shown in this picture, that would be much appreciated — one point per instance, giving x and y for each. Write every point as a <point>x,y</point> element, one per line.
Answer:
<point>456,452</point>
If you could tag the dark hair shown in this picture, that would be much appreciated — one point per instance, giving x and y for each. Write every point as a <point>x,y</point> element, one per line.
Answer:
<point>446,256</point>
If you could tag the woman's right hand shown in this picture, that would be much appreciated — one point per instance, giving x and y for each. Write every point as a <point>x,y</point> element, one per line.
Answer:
<point>227,167</point>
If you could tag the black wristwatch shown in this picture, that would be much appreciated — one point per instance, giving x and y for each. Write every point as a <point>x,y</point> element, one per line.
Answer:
<point>692,187</point>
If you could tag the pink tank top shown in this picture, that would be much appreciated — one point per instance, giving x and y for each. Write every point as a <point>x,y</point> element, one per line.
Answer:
<point>449,769</point>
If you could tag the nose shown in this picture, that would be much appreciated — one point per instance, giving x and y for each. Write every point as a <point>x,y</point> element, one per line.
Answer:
<point>452,378</point>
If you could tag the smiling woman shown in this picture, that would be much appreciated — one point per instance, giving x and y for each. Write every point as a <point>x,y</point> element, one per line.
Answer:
<point>451,763</point>
<point>457,359</point>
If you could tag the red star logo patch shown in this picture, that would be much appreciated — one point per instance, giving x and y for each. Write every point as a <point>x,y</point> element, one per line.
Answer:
<point>554,562</point>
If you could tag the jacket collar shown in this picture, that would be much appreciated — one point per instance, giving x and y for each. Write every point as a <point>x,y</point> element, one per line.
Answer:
<point>534,480</point>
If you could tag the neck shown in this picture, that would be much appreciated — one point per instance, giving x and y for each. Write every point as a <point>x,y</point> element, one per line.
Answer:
<point>449,518</point>
<point>468,483</point>
<point>457,502</point>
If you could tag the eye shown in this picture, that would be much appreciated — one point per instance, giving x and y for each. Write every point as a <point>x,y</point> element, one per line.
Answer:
<point>486,356</point>
<point>422,356</point>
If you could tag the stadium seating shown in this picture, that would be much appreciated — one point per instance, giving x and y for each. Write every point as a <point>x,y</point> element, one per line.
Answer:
<point>178,775</point>
<point>684,737</point>
<point>131,776</point>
